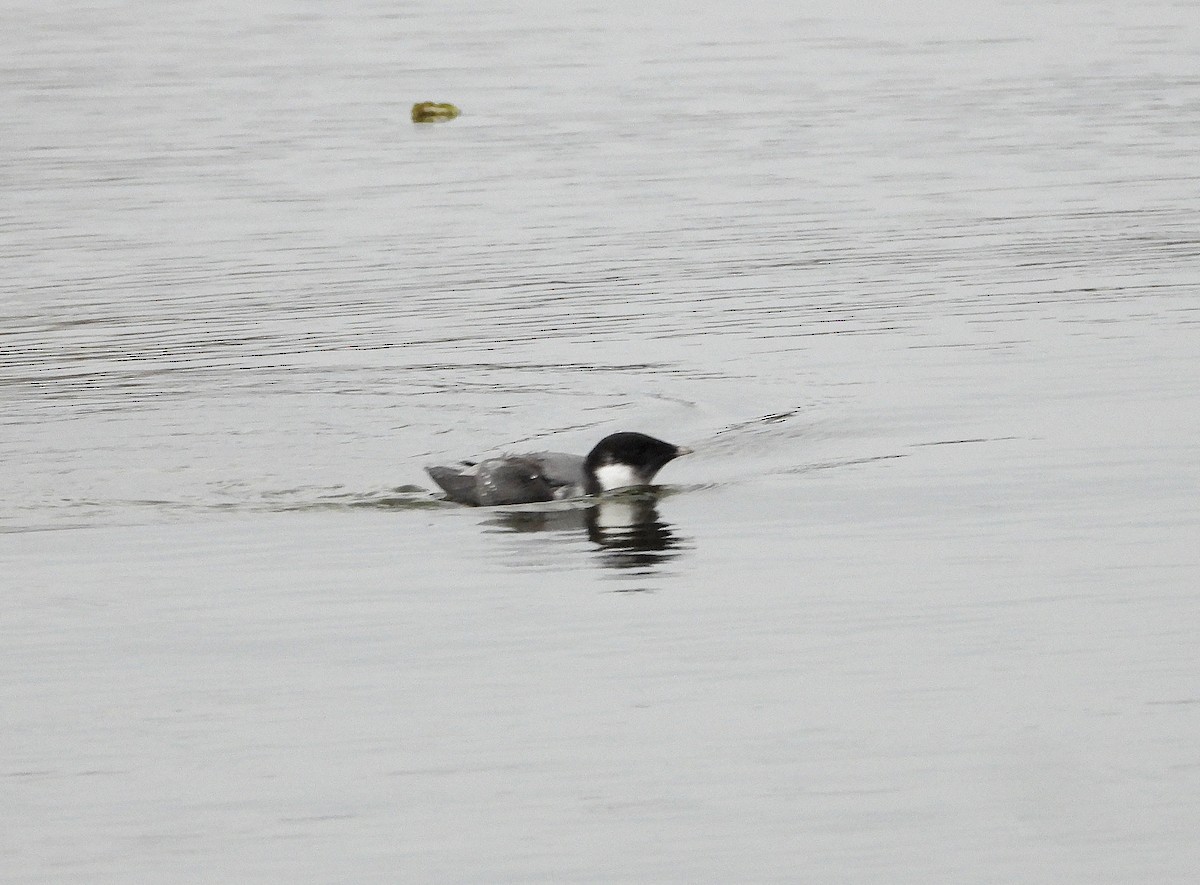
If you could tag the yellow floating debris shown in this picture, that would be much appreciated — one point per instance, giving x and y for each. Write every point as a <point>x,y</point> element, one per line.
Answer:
<point>433,111</point>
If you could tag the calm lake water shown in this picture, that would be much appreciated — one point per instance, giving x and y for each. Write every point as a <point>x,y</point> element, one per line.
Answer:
<point>920,283</point>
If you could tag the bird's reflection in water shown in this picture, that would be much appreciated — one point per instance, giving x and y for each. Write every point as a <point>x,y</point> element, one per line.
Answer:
<point>631,534</point>
<point>627,530</point>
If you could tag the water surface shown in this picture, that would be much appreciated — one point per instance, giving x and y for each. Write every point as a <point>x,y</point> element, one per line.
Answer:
<point>918,284</point>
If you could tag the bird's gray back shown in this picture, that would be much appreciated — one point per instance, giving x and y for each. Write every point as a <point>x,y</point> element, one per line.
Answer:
<point>559,468</point>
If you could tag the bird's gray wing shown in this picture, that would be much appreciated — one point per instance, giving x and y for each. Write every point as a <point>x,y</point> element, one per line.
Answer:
<point>511,480</point>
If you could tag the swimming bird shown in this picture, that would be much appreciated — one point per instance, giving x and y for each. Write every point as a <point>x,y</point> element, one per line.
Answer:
<point>621,460</point>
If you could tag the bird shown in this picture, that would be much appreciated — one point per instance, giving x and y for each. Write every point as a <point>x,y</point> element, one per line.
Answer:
<point>619,461</point>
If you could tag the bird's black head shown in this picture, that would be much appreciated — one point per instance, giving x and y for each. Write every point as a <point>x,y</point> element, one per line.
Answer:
<point>627,459</point>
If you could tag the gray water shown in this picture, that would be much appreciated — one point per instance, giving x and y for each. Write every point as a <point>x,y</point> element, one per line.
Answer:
<point>920,283</point>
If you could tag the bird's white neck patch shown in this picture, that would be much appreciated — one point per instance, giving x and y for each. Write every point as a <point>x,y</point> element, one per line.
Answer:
<point>617,476</point>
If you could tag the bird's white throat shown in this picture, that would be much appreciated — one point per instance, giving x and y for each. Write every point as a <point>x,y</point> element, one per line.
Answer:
<point>617,476</point>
